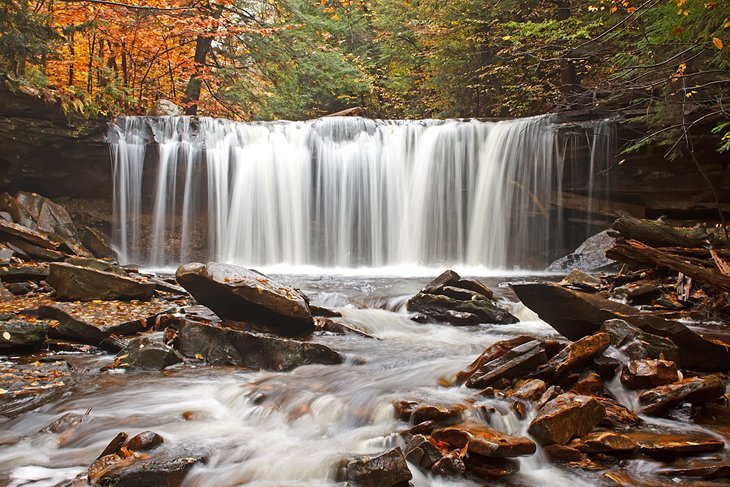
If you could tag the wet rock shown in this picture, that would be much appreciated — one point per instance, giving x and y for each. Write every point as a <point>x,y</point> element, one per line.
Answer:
<point>605,442</point>
<point>579,279</point>
<point>521,360</point>
<point>422,451</point>
<point>340,326</point>
<point>21,336</point>
<point>565,417</point>
<point>617,415</point>
<point>528,390</point>
<point>476,286</point>
<point>76,283</point>
<point>30,251</point>
<point>491,353</point>
<point>639,292</point>
<point>446,278</point>
<point>21,288</point>
<point>563,453</point>
<point>575,314</point>
<point>572,357</point>
<point>65,423</point>
<point>483,440</point>
<point>239,294</point>
<point>637,344</point>
<point>384,470</point>
<point>550,393</point>
<point>27,386</point>
<point>145,441</point>
<point>450,465</point>
<point>588,384</point>
<point>221,346</point>
<point>590,256</point>
<point>145,354</point>
<point>440,308</point>
<point>24,272</point>
<point>321,311</point>
<point>700,469</point>
<point>13,232</point>
<point>115,446</point>
<point>97,264</point>
<point>98,243</point>
<point>485,468</point>
<point>417,413</point>
<point>647,373</point>
<point>163,468</point>
<point>675,444</point>
<point>695,390</point>
<point>424,428</point>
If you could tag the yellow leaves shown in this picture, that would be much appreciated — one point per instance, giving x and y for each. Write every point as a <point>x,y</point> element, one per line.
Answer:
<point>679,72</point>
<point>631,10</point>
<point>717,42</point>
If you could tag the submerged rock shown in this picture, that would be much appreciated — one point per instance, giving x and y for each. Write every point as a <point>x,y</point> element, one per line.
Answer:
<point>222,346</point>
<point>387,469</point>
<point>77,283</point>
<point>675,444</point>
<point>239,294</point>
<point>566,417</point>
<point>145,354</point>
<point>696,390</point>
<point>450,299</point>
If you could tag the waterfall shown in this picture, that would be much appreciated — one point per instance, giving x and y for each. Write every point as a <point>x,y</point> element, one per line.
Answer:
<point>337,192</point>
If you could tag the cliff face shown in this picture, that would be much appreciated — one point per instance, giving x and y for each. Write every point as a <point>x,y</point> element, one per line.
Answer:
<point>42,151</point>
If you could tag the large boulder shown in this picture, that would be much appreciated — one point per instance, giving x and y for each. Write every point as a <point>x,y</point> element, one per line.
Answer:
<point>240,294</point>
<point>83,283</point>
<point>637,344</point>
<point>576,314</point>
<point>566,417</point>
<point>590,256</point>
<point>223,346</point>
<point>451,299</point>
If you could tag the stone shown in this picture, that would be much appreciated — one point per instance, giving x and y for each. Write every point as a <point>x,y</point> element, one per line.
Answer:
<point>637,344</point>
<point>483,440</point>
<point>146,354</point>
<point>590,256</point>
<point>450,465</point>
<point>165,108</point>
<point>387,469</point>
<point>115,446</point>
<point>576,314</point>
<point>437,308</point>
<point>605,366</point>
<point>24,272</point>
<point>492,352</point>
<point>563,453</point>
<point>340,326</point>
<point>221,346</point>
<point>417,413</point>
<point>566,417</point>
<point>638,292</point>
<point>476,286</point>
<point>66,422</point>
<point>5,294</point>
<point>550,393</point>
<point>21,288</point>
<point>33,237</point>
<point>97,264</point>
<point>675,444</point>
<point>605,442</point>
<point>163,468</point>
<point>581,280</point>
<point>648,373</point>
<point>98,243</point>
<point>447,278</point>
<point>239,294</point>
<point>20,336</point>
<point>695,390</point>
<point>588,384</point>
<point>521,360</point>
<point>486,468</point>
<point>528,390</point>
<point>145,441</point>
<point>30,251</point>
<point>422,451</point>
<point>700,469</point>
<point>324,312</point>
<point>573,357</point>
<point>6,254</point>
<point>617,415</point>
<point>76,283</point>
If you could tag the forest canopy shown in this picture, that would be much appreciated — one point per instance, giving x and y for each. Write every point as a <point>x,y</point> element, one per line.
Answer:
<point>665,62</point>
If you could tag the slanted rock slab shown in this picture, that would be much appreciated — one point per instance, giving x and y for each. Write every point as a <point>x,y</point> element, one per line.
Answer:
<point>19,336</point>
<point>240,294</point>
<point>647,373</point>
<point>77,283</point>
<point>566,417</point>
<point>485,441</point>
<point>572,357</point>
<point>696,390</point>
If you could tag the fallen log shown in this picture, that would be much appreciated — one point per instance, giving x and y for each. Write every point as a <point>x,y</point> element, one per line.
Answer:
<point>633,252</point>
<point>658,233</point>
<point>348,112</point>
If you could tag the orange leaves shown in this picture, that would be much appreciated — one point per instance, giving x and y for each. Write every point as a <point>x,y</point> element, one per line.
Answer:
<point>717,42</point>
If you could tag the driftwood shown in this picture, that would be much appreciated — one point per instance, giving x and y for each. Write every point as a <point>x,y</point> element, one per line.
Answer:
<point>637,254</point>
<point>348,112</point>
<point>597,206</point>
<point>658,233</point>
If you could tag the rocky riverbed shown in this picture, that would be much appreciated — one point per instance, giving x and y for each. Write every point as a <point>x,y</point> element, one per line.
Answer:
<point>221,375</point>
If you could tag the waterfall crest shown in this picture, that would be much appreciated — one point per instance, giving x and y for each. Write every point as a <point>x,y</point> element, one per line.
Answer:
<point>337,192</point>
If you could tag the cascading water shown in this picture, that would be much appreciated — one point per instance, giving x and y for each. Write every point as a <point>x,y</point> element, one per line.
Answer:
<point>338,192</point>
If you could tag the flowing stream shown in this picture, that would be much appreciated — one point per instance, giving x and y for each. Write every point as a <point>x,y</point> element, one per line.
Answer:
<point>347,192</point>
<point>285,429</point>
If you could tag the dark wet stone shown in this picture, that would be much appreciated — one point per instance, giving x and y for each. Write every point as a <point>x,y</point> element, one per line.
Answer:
<point>64,423</point>
<point>422,452</point>
<point>324,312</point>
<point>528,390</point>
<point>447,278</point>
<point>450,465</point>
<point>486,468</point>
<point>605,366</point>
<point>517,362</point>
<point>146,354</point>
<point>15,232</point>
<point>550,393</point>
<point>221,346</point>
<point>588,384</point>
<point>605,442</point>
<point>97,242</point>
<point>696,390</point>
<point>76,283</point>
<point>24,272</point>
<point>566,417</point>
<point>387,469</point>
<point>5,295</point>
<point>581,280</point>
<point>700,469</point>
<point>492,352</point>
<point>576,314</point>
<point>417,413</point>
<point>147,440</point>
<point>437,307</point>
<point>563,453</point>
<point>163,468</point>
<point>617,415</point>
<point>675,444</point>
<point>115,446</point>
<point>483,440</point>
<point>21,336</point>
<point>340,326</point>
<point>573,357</point>
<point>647,373</point>
<point>424,428</point>
<point>239,294</point>
<point>637,344</point>
<point>21,288</point>
<point>476,286</point>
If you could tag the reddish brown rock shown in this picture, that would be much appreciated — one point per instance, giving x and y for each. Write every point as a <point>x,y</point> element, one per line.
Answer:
<point>563,453</point>
<point>696,390</point>
<point>485,441</point>
<point>528,390</point>
<point>147,440</point>
<point>384,470</point>
<point>700,469</point>
<point>605,442</point>
<point>517,362</point>
<point>647,373</point>
<point>573,357</point>
<point>486,468</point>
<point>550,393</point>
<point>566,417</point>
<point>491,353</point>
<point>617,416</point>
<point>77,283</point>
<point>588,384</point>
<point>637,344</point>
<point>675,444</point>
<point>419,413</point>
<point>422,451</point>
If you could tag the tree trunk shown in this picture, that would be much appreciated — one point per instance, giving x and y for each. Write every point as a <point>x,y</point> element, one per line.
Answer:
<point>569,80</point>
<point>192,92</point>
